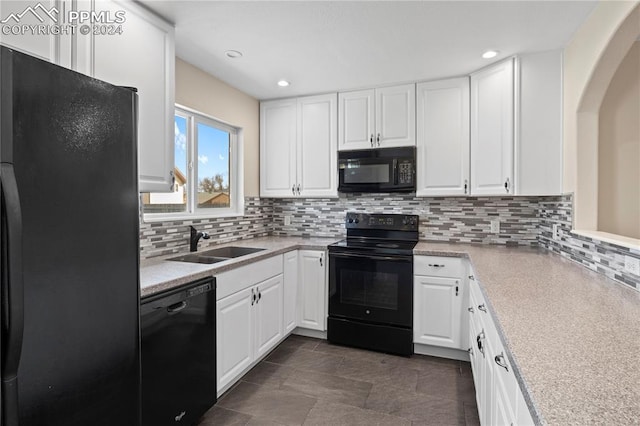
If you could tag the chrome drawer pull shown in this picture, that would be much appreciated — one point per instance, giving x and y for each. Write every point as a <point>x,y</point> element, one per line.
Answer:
<point>499,359</point>
<point>482,308</point>
<point>470,309</point>
<point>436,265</point>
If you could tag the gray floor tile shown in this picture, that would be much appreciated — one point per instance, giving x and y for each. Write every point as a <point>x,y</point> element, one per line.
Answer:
<point>336,414</point>
<point>328,387</point>
<point>268,374</point>
<point>423,409</point>
<point>380,373</point>
<point>306,360</point>
<point>471,415</point>
<point>288,408</point>
<point>446,383</point>
<point>221,416</point>
<point>311,381</point>
<point>346,351</point>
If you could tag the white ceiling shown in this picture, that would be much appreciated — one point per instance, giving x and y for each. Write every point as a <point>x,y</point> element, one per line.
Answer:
<point>323,46</point>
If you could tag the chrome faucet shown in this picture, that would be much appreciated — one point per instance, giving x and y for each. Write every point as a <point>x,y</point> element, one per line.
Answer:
<point>195,237</point>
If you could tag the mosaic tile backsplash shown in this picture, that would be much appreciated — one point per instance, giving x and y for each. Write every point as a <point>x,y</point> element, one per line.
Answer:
<point>160,238</point>
<point>524,221</point>
<point>602,257</point>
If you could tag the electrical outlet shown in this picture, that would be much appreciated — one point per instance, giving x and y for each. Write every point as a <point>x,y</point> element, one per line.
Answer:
<point>556,232</point>
<point>632,265</point>
<point>287,220</point>
<point>495,226</point>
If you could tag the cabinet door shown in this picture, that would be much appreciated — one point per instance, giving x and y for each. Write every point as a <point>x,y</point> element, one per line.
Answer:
<point>141,57</point>
<point>312,297</point>
<point>492,130</point>
<point>278,148</point>
<point>356,124</point>
<point>396,116</point>
<point>538,149</point>
<point>235,322</point>
<point>443,137</point>
<point>436,311</point>
<point>290,291</point>
<point>268,316</point>
<point>317,157</point>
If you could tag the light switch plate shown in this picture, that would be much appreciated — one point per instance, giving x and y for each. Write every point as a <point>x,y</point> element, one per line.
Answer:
<point>556,231</point>
<point>632,265</point>
<point>495,226</point>
<point>287,220</point>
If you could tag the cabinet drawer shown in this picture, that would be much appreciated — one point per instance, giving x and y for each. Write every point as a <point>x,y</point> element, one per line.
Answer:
<point>438,266</point>
<point>245,276</point>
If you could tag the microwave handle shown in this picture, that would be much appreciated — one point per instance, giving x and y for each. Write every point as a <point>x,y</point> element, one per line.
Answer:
<point>395,171</point>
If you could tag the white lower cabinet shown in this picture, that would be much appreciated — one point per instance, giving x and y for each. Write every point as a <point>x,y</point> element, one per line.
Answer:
<point>235,322</point>
<point>499,398</point>
<point>249,317</point>
<point>290,291</point>
<point>312,294</point>
<point>438,297</point>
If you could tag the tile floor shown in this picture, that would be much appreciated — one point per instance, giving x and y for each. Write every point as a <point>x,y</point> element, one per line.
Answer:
<point>308,381</point>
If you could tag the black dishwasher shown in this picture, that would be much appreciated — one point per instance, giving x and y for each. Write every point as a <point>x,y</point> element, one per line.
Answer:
<point>179,354</point>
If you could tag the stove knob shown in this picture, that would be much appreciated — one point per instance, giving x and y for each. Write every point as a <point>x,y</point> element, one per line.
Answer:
<point>350,220</point>
<point>356,220</point>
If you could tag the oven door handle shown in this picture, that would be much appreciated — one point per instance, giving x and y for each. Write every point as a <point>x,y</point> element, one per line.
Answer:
<point>373,257</point>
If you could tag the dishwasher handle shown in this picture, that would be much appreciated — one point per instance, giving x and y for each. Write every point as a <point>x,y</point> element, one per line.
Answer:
<point>177,307</point>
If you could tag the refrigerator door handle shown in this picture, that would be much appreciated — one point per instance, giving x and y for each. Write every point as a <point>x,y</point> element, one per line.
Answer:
<point>12,292</point>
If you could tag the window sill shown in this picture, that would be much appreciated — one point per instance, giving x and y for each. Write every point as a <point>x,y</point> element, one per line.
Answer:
<point>619,240</point>
<point>185,218</point>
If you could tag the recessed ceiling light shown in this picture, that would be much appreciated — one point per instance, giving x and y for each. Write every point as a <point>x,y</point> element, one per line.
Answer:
<point>233,54</point>
<point>283,83</point>
<point>490,54</point>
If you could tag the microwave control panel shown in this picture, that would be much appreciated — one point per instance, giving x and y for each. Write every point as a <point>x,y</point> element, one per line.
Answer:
<point>405,172</point>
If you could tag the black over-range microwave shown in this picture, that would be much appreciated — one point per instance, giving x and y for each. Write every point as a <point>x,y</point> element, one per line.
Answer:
<point>377,170</point>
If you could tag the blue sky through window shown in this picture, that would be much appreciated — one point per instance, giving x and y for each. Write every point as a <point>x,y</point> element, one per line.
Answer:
<point>181,144</point>
<point>213,153</point>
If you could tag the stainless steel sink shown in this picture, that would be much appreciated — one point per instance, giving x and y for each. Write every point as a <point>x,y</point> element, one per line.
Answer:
<point>198,258</point>
<point>231,252</point>
<point>216,255</point>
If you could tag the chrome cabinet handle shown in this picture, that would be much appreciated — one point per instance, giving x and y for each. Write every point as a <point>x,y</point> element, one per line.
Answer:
<point>479,340</point>
<point>259,295</point>
<point>371,140</point>
<point>465,185</point>
<point>253,297</point>
<point>173,181</point>
<point>470,309</point>
<point>471,277</point>
<point>298,189</point>
<point>293,189</point>
<point>436,265</point>
<point>320,260</point>
<point>507,185</point>
<point>378,139</point>
<point>470,350</point>
<point>482,308</point>
<point>456,290</point>
<point>499,359</point>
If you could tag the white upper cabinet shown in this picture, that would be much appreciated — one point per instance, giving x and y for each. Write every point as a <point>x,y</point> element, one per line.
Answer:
<point>538,149</point>
<point>492,117</point>
<point>317,155</point>
<point>43,46</point>
<point>298,155</point>
<point>357,119</point>
<point>141,57</point>
<point>443,137</point>
<point>278,148</point>
<point>377,118</point>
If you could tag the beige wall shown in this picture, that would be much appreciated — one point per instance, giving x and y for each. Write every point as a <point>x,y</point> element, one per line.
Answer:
<point>205,93</point>
<point>619,150</point>
<point>590,60</point>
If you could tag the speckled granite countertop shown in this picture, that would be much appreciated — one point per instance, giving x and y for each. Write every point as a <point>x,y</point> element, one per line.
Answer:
<point>573,335</point>
<point>158,274</point>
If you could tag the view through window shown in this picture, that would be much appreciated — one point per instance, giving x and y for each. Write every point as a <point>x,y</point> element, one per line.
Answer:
<point>203,170</point>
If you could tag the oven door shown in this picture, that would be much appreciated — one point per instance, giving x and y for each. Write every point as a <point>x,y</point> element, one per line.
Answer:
<point>372,288</point>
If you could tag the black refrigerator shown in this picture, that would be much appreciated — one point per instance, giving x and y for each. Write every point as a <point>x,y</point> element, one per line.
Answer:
<point>70,339</point>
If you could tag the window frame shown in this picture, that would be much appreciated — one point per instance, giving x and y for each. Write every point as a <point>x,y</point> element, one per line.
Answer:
<point>236,190</point>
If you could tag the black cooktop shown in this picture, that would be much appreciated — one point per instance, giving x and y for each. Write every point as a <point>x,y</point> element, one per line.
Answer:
<point>374,246</point>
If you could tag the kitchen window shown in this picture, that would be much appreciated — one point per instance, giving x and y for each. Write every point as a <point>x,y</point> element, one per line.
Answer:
<point>206,168</point>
